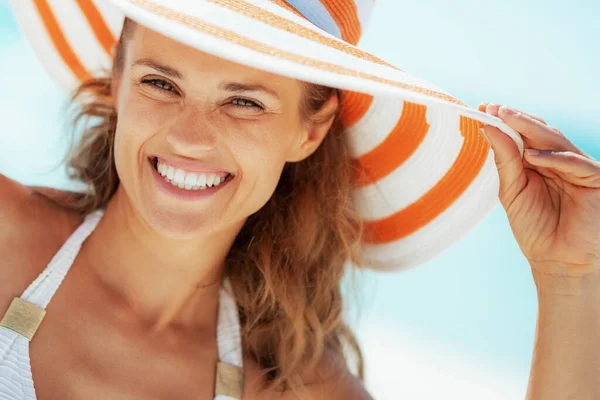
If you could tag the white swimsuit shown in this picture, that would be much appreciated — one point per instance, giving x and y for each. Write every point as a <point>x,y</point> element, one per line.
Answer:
<point>25,313</point>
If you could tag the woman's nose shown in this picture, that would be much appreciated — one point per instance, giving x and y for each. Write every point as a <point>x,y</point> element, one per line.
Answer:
<point>192,132</point>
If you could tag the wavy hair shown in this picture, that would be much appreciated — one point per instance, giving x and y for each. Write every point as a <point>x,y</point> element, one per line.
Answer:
<point>287,263</point>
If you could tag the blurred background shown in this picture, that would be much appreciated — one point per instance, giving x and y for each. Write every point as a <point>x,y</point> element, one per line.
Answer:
<point>462,325</point>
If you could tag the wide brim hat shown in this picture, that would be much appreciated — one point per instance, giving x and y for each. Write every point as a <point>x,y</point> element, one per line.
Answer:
<point>425,175</point>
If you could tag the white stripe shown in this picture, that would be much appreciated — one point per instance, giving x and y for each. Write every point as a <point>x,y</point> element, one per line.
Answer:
<point>35,32</point>
<point>111,15</point>
<point>418,174</point>
<point>316,13</point>
<point>375,126</point>
<point>448,228</point>
<point>80,37</point>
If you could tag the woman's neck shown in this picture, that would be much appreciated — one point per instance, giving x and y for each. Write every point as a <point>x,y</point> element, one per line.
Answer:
<point>164,282</point>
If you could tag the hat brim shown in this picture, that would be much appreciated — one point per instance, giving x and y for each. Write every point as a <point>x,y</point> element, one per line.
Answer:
<point>427,176</point>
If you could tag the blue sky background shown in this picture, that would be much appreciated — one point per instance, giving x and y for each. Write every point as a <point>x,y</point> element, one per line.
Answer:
<point>462,325</point>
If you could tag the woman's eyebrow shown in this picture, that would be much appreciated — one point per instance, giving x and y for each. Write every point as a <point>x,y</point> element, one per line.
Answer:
<point>169,71</point>
<point>242,87</point>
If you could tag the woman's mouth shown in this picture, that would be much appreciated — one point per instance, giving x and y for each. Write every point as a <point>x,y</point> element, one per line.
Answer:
<point>188,180</point>
<point>187,185</point>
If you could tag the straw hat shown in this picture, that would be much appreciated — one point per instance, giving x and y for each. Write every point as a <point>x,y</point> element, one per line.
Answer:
<point>426,176</point>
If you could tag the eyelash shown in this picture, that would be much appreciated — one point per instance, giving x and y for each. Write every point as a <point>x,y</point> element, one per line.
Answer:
<point>157,83</point>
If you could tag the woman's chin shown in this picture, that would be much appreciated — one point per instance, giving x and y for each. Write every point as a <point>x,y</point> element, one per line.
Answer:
<point>177,224</point>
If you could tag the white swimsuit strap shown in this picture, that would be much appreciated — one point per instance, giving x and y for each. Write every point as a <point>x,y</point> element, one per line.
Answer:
<point>229,343</point>
<point>229,337</point>
<point>41,290</point>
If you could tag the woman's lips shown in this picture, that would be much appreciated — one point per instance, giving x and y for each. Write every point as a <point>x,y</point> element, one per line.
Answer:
<point>191,166</point>
<point>184,194</point>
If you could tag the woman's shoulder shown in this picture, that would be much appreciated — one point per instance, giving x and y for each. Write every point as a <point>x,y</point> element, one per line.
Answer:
<point>27,210</point>
<point>329,380</point>
<point>12,195</point>
<point>32,229</point>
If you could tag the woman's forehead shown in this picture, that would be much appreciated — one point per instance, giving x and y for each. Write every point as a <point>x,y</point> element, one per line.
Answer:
<point>149,44</point>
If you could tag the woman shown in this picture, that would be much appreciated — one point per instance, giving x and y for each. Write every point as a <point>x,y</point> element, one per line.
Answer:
<point>224,200</point>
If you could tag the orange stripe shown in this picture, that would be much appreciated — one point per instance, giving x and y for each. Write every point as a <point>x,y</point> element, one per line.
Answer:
<point>465,169</point>
<point>354,106</point>
<point>59,41</point>
<point>400,144</point>
<point>98,25</point>
<point>278,22</point>
<point>287,6</point>
<point>345,15</point>
<point>254,45</point>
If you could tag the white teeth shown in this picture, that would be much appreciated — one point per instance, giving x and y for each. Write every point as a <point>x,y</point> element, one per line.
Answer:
<point>201,180</point>
<point>170,172</point>
<point>188,180</point>
<point>179,175</point>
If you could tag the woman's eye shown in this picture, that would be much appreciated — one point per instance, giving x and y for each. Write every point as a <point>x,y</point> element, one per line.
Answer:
<point>245,103</point>
<point>160,85</point>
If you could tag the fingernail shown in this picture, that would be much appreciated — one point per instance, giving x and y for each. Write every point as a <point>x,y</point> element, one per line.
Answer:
<point>532,152</point>
<point>492,109</point>
<point>507,110</point>
<point>485,136</point>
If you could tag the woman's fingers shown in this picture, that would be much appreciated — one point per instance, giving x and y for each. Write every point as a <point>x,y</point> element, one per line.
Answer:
<point>483,107</point>
<point>537,134</point>
<point>574,168</point>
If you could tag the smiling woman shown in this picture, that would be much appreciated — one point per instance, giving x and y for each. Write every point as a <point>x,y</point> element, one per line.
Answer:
<point>168,114</point>
<point>189,149</point>
<point>231,183</point>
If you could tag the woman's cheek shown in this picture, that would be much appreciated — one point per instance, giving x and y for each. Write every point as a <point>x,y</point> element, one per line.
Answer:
<point>266,157</point>
<point>137,123</point>
<point>149,114</point>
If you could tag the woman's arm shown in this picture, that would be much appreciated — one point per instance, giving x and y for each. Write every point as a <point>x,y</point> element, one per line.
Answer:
<point>566,356</point>
<point>551,196</point>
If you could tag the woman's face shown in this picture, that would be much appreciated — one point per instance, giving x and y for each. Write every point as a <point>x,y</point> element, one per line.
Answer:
<point>186,117</point>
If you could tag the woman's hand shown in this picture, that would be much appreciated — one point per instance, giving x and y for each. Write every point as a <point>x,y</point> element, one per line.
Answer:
<point>552,199</point>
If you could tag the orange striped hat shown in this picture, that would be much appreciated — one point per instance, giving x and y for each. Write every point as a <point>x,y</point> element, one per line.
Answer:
<point>425,175</point>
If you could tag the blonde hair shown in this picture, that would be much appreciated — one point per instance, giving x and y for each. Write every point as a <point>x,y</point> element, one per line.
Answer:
<point>287,263</point>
